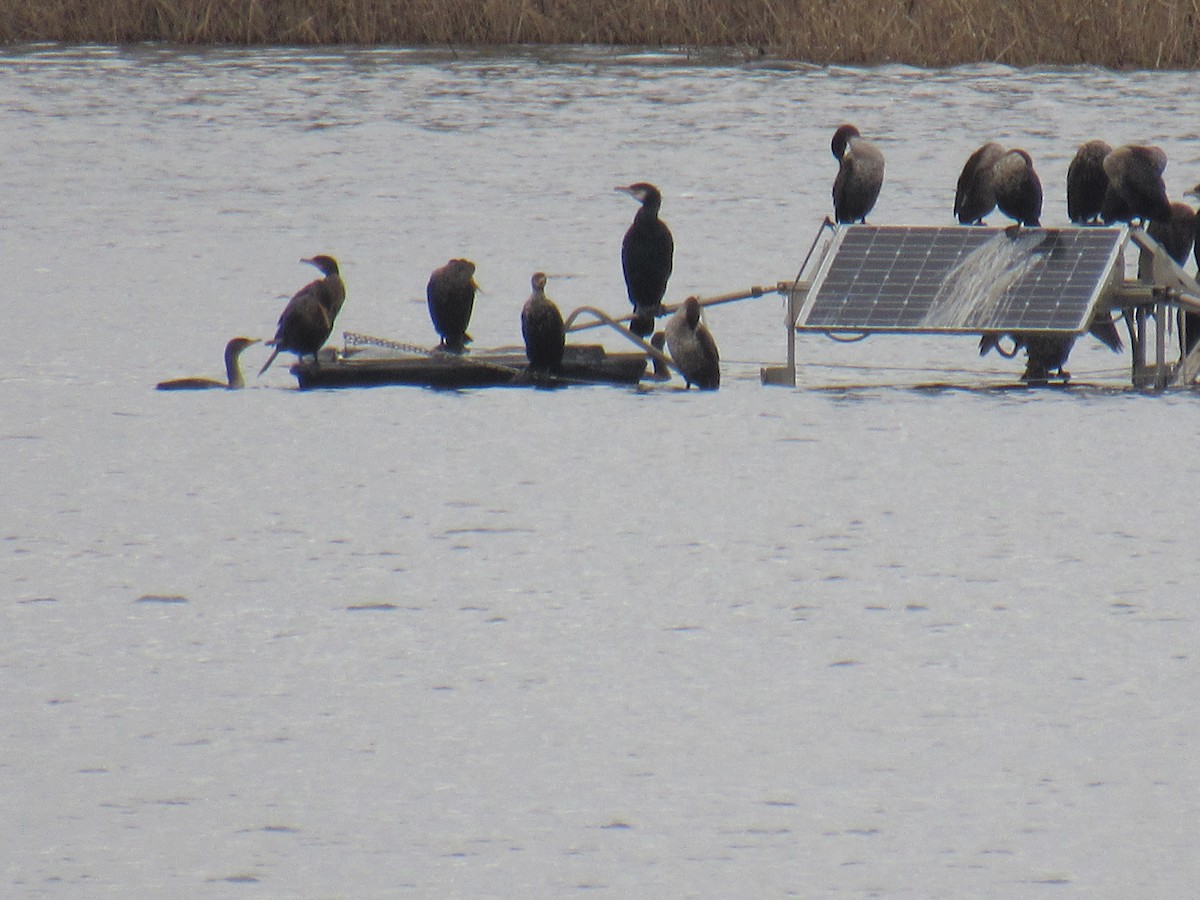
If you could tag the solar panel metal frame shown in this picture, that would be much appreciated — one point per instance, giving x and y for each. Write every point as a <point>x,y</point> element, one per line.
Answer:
<point>962,280</point>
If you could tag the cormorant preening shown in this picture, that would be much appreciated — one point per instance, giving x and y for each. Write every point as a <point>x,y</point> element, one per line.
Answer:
<point>233,371</point>
<point>647,256</point>
<point>692,347</point>
<point>1135,185</point>
<point>859,177</point>
<point>451,297</point>
<point>307,320</point>
<point>542,328</point>
<point>1086,183</point>
<point>974,196</point>
<point>1018,188</point>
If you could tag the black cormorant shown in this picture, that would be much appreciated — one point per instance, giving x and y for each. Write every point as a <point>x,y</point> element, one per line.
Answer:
<point>542,328</point>
<point>1178,237</point>
<point>974,196</point>
<point>647,256</point>
<point>692,347</point>
<point>233,371</point>
<point>451,296</point>
<point>1018,188</point>
<point>1086,183</point>
<point>1195,192</point>
<point>859,177</point>
<point>307,320</point>
<point>1135,185</point>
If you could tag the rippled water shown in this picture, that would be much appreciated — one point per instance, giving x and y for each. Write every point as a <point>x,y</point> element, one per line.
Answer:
<point>862,638</point>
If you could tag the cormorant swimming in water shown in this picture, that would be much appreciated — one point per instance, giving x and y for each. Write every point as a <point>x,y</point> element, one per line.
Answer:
<point>974,196</point>
<point>692,347</point>
<point>1135,185</point>
<point>647,256</point>
<point>542,328</point>
<point>233,371</point>
<point>307,320</point>
<point>859,177</point>
<point>1086,183</point>
<point>451,297</point>
<point>1018,188</point>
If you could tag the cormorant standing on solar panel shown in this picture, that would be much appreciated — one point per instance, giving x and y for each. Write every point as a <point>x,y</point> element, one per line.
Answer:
<point>542,328</point>
<point>692,347</point>
<point>1018,188</point>
<point>974,196</point>
<point>1086,183</point>
<point>1135,185</point>
<point>647,256</point>
<point>233,371</point>
<point>451,297</point>
<point>307,320</point>
<point>859,177</point>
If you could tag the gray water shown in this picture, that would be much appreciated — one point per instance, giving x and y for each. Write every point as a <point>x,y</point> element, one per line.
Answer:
<point>864,638</point>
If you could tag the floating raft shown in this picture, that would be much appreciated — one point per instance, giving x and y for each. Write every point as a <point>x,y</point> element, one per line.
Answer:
<point>582,364</point>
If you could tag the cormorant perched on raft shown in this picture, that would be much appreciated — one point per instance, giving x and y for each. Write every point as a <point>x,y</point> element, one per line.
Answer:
<point>692,347</point>
<point>1178,237</point>
<point>1135,185</point>
<point>307,320</point>
<point>451,296</point>
<point>975,196</point>
<point>647,257</point>
<point>859,177</point>
<point>1087,183</point>
<point>1018,188</point>
<point>233,371</point>
<point>1195,192</point>
<point>542,328</point>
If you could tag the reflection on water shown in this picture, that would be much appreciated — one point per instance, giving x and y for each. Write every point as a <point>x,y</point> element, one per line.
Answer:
<point>868,641</point>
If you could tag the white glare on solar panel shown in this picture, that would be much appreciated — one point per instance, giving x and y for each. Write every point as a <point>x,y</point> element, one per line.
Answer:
<point>961,279</point>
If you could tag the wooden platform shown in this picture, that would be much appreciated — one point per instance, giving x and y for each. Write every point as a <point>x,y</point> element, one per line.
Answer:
<point>582,364</point>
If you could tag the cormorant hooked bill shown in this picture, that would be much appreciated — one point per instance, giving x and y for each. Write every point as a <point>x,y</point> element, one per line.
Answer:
<point>542,328</point>
<point>692,347</point>
<point>451,297</point>
<point>233,371</point>
<point>1135,185</point>
<point>859,177</point>
<point>647,257</point>
<point>974,196</point>
<point>1018,188</point>
<point>307,320</point>
<point>1087,183</point>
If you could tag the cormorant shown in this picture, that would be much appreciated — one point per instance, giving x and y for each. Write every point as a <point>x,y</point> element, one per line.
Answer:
<point>233,371</point>
<point>451,297</point>
<point>1195,192</point>
<point>1018,188</point>
<point>647,256</point>
<point>859,177</point>
<point>1086,183</point>
<point>1135,185</point>
<point>692,347</point>
<point>974,197</point>
<point>307,320</point>
<point>1045,352</point>
<point>542,328</point>
<point>1178,237</point>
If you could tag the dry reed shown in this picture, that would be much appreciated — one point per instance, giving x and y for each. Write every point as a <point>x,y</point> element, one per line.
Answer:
<point>1117,34</point>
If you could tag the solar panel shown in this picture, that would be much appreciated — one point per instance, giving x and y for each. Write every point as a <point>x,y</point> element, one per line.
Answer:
<point>957,279</point>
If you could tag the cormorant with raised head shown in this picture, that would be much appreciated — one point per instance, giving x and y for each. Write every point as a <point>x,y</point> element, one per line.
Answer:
<point>647,257</point>
<point>542,328</point>
<point>1087,183</point>
<point>1018,188</point>
<point>692,347</point>
<point>233,371</point>
<point>451,296</point>
<point>974,196</point>
<point>859,177</point>
<point>1135,185</point>
<point>307,320</point>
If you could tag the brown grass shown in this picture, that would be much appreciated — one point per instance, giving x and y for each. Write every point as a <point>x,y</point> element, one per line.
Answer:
<point>1117,33</point>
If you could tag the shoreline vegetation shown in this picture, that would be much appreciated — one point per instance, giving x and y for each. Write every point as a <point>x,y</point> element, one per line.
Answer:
<point>1121,34</point>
